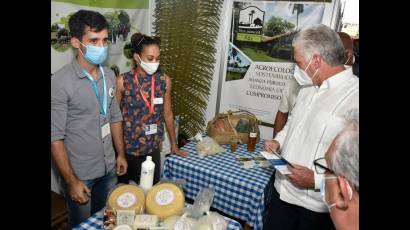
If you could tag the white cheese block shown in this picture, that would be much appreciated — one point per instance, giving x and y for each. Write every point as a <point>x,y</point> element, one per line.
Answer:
<point>185,223</point>
<point>125,217</point>
<point>145,221</point>
<point>170,222</point>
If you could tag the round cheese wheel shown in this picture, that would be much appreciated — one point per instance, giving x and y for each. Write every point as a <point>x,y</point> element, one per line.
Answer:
<point>127,197</point>
<point>165,200</point>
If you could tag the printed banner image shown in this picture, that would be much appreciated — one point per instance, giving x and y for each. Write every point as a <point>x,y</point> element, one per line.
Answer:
<point>259,59</point>
<point>264,30</point>
<point>238,64</point>
<point>123,20</point>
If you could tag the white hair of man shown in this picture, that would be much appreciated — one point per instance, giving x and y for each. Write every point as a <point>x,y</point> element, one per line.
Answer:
<point>322,40</point>
<point>345,159</point>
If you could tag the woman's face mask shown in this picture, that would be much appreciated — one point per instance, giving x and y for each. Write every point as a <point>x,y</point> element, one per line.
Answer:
<point>149,67</point>
<point>302,77</point>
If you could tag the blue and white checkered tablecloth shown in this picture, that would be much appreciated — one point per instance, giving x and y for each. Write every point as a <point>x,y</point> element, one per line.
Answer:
<point>95,223</point>
<point>241,193</point>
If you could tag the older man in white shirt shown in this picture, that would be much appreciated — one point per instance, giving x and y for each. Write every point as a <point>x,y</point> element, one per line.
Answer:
<point>340,184</point>
<point>316,120</point>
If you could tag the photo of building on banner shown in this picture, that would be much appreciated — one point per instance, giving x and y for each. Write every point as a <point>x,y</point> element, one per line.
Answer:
<point>260,55</point>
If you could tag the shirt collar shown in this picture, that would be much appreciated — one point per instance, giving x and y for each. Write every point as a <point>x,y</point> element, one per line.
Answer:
<point>336,79</point>
<point>79,70</point>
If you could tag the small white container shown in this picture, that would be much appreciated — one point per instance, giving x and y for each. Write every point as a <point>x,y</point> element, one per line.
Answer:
<point>147,174</point>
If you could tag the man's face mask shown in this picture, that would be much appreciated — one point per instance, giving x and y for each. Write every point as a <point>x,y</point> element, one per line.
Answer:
<point>149,67</point>
<point>95,54</point>
<point>302,77</point>
<point>323,190</point>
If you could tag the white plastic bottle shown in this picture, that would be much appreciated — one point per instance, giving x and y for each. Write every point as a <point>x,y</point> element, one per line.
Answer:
<point>147,174</point>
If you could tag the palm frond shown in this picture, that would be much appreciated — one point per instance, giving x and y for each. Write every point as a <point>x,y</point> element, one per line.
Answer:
<point>188,30</point>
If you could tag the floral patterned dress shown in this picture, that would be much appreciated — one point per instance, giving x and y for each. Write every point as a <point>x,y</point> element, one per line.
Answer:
<point>137,116</point>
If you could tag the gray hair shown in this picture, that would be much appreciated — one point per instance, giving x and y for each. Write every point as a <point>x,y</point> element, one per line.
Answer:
<point>345,160</point>
<point>322,40</point>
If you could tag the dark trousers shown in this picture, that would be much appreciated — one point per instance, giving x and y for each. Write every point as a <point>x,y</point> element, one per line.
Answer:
<point>284,216</point>
<point>100,188</point>
<point>134,167</point>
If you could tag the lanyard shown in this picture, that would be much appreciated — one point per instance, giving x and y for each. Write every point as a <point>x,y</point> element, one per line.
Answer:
<point>150,106</point>
<point>102,108</point>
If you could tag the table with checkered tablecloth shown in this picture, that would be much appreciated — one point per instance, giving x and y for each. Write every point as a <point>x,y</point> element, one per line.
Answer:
<point>239,192</point>
<point>95,223</point>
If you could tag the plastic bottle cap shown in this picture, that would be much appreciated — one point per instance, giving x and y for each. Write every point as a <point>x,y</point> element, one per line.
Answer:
<point>149,158</point>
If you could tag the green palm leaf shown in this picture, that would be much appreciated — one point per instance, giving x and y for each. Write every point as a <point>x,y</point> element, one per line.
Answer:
<point>188,31</point>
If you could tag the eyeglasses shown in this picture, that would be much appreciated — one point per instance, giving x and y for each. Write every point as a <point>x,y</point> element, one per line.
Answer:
<point>320,166</point>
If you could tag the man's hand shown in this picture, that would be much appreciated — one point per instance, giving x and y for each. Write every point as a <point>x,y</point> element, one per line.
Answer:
<point>271,145</point>
<point>177,151</point>
<point>301,176</point>
<point>122,165</point>
<point>79,192</point>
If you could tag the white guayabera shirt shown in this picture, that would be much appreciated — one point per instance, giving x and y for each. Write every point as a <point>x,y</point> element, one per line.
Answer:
<point>316,120</point>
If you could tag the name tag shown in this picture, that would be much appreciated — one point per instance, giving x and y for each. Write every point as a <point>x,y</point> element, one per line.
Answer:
<point>105,130</point>
<point>150,129</point>
<point>158,100</point>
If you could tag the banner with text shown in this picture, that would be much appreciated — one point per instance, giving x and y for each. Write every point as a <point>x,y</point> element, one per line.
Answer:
<point>259,57</point>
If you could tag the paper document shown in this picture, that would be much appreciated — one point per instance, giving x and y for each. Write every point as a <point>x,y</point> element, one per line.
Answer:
<point>269,156</point>
<point>283,169</point>
<point>278,164</point>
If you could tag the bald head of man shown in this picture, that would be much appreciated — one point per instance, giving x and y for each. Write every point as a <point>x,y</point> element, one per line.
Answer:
<point>348,44</point>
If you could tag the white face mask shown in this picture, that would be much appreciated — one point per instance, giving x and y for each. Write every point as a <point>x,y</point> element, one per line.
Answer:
<point>323,191</point>
<point>149,67</point>
<point>302,77</point>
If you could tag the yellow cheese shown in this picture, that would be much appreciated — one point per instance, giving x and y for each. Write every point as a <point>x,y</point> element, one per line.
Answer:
<point>127,197</point>
<point>165,200</point>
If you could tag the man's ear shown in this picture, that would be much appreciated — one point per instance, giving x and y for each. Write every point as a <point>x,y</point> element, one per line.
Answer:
<point>75,42</point>
<point>343,199</point>
<point>349,53</point>
<point>317,61</point>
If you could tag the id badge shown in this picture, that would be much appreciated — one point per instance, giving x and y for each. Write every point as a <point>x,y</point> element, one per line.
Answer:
<point>158,100</point>
<point>150,129</point>
<point>105,130</point>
